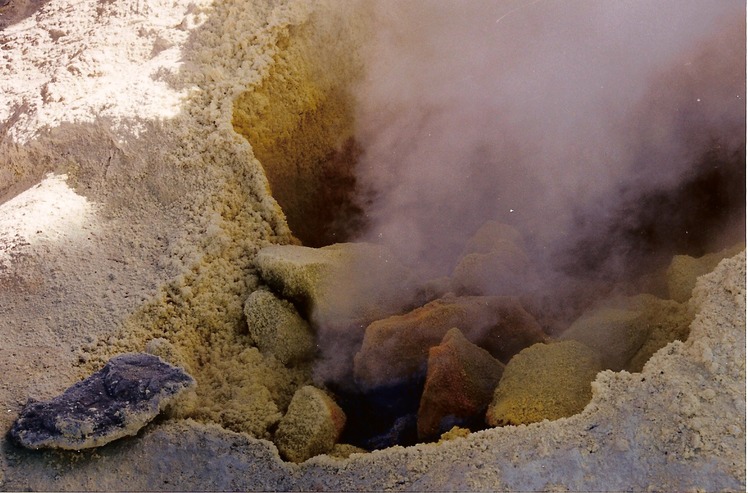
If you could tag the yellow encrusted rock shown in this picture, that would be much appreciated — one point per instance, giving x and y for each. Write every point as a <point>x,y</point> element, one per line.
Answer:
<point>277,329</point>
<point>544,381</point>
<point>311,426</point>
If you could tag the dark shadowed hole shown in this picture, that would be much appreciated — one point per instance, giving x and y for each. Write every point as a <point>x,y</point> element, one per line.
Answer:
<point>309,155</point>
<point>329,214</point>
<point>382,417</point>
<point>704,213</point>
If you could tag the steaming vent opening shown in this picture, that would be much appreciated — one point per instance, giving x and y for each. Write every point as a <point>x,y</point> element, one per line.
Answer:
<point>411,357</point>
<point>299,121</point>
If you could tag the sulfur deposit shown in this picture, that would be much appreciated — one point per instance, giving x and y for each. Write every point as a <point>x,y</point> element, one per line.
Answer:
<point>180,178</point>
<point>311,426</point>
<point>544,381</point>
<point>276,328</point>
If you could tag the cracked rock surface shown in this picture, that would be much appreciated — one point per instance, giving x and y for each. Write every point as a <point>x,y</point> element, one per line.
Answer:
<point>115,402</point>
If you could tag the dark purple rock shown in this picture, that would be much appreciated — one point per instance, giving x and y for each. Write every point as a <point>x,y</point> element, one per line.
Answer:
<point>114,402</point>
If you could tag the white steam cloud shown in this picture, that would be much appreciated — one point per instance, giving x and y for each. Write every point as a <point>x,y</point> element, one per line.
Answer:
<point>528,112</point>
<point>557,117</point>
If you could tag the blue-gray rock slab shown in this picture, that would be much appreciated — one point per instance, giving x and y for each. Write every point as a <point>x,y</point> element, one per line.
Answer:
<point>115,402</point>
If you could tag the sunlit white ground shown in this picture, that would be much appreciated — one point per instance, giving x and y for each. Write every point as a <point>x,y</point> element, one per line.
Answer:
<point>47,212</point>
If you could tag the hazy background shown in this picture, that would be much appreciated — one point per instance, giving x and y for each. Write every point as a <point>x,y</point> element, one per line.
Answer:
<point>610,133</point>
<point>576,121</point>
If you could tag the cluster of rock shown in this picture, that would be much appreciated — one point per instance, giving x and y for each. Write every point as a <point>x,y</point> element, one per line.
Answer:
<point>473,354</point>
<point>476,356</point>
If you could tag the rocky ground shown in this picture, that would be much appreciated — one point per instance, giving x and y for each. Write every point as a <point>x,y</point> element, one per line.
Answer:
<point>131,214</point>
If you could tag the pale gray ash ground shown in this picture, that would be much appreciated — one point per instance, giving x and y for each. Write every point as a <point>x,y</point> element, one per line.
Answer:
<point>358,224</point>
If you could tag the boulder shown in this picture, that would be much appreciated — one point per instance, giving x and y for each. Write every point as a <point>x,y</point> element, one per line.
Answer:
<point>615,334</point>
<point>276,328</point>
<point>665,321</point>
<point>493,262</point>
<point>345,281</point>
<point>299,273</point>
<point>340,289</point>
<point>460,381</point>
<point>311,426</point>
<point>115,402</point>
<point>561,301</point>
<point>544,381</point>
<point>627,331</point>
<point>396,349</point>
<point>684,270</point>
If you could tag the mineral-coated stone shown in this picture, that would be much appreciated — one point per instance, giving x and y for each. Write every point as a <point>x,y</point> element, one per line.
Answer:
<point>460,381</point>
<point>276,328</point>
<point>626,332</point>
<point>613,333</point>
<point>311,426</point>
<point>115,402</point>
<point>396,349</point>
<point>665,320</point>
<point>492,263</point>
<point>684,270</point>
<point>342,281</point>
<point>340,289</point>
<point>544,381</point>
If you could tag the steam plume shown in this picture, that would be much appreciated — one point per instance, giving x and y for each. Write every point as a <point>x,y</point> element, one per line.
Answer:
<point>575,121</point>
<point>541,114</point>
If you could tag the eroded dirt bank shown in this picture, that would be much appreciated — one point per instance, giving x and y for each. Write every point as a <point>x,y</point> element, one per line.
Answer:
<point>155,120</point>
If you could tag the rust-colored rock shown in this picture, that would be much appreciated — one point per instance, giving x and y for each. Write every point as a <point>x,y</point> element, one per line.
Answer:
<point>460,381</point>
<point>396,349</point>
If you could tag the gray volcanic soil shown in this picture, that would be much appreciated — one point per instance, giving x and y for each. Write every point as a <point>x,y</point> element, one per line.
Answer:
<point>148,226</point>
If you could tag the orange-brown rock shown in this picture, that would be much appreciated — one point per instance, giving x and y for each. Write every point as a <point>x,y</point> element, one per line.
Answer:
<point>396,349</point>
<point>460,381</point>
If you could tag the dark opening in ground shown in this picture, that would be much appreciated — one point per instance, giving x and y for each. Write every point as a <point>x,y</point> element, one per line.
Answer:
<point>704,213</point>
<point>300,123</point>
